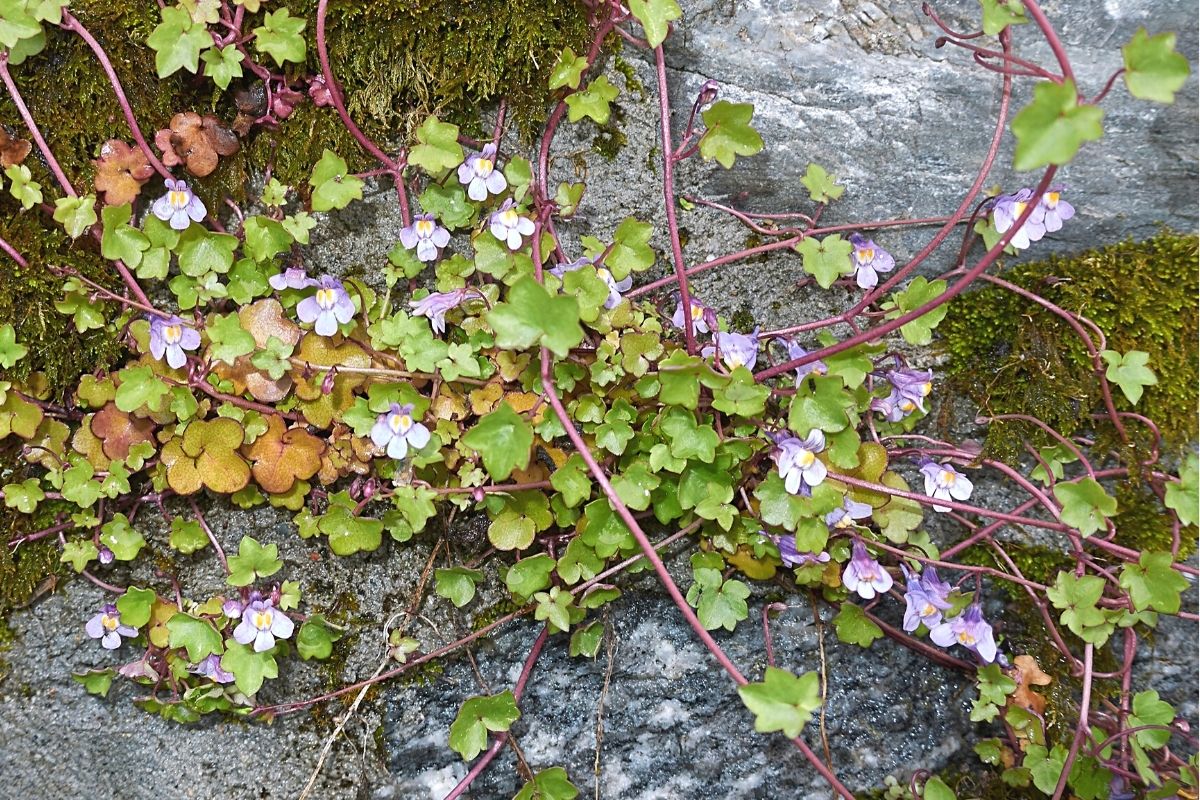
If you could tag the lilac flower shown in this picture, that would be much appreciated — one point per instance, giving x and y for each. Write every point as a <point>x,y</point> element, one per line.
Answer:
<point>791,557</point>
<point>892,407</point>
<point>797,461</point>
<point>479,174</point>
<point>911,386</point>
<point>1054,210</point>
<point>736,349</point>
<point>508,226</point>
<point>426,235</point>
<point>794,351</point>
<point>291,278</point>
<point>179,206</point>
<point>970,630</point>
<point>210,667</point>
<point>943,481</point>
<point>261,623</point>
<point>170,336</point>
<point>864,575</point>
<point>924,600</point>
<point>106,626</point>
<point>1007,208</point>
<point>329,306</point>
<point>615,287</point>
<point>396,430</point>
<point>232,609</point>
<point>704,319</point>
<point>436,305</point>
<point>868,260</point>
<point>106,556</point>
<point>844,517</point>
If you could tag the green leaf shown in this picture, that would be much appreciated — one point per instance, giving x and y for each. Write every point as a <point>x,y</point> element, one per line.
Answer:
<point>1183,497</point>
<point>279,36</point>
<point>687,438</point>
<point>567,70</point>
<point>222,64</point>
<point>531,316</point>
<point>723,607</point>
<point>742,396</point>
<point>918,292</point>
<point>999,14</point>
<point>1077,597</point>
<point>1129,371</point>
<point>202,251</point>
<point>529,575</point>
<point>782,701</point>
<point>630,251</point>
<point>549,784</point>
<point>95,681</point>
<point>478,715</point>
<point>504,439</point>
<point>1051,129</point>
<point>273,358</point>
<point>253,561</point>
<point>729,133</point>
<point>437,147</point>
<point>994,688</point>
<point>822,187</point>
<point>1045,766</point>
<point>229,339</point>
<point>135,605</point>
<point>457,584</point>
<point>936,789</point>
<point>79,553</point>
<point>824,407</point>
<point>264,238</point>
<point>24,496</point>
<point>554,607</point>
<point>586,641</point>
<point>449,204</point>
<point>248,667</point>
<point>1152,583</point>
<point>187,536</point>
<point>1085,505</point>
<point>333,185</point>
<point>349,534</point>
<point>1153,70</point>
<point>119,240</point>
<point>315,639</point>
<point>592,102</point>
<point>826,260</point>
<point>11,351</point>
<point>16,23</point>
<point>140,387</point>
<point>511,531</point>
<point>571,481</point>
<point>198,636</point>
<point>655,16</point>
<point>855,627</point>
<point>177,42</point>
<point>120,537</point>
<point>76,214</point>
<point>1148,709</point>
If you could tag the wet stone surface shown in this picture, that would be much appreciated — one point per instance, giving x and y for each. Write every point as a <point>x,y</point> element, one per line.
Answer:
<point>855,86</point>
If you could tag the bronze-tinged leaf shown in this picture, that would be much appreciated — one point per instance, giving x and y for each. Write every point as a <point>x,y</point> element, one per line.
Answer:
<point>120,172</point>
<point>48,445</point>
<point>197,142</point>
<point>19,416</point>
<point>88,445</point>
<point>346,455</point>
<point>282,456</point>
<point>485,398</point>
<point>320,408</point>
<point>207,456</point>
<point>1028,673</point>
<point>119,431</point>
<point>262,320</point>
<point>13,150</point>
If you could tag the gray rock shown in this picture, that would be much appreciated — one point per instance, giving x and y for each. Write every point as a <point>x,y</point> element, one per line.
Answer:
<point>855,86</point>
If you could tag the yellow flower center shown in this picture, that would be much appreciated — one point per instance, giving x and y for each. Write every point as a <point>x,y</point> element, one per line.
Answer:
<point>509,218</point>
<point>926,388</point>
<point>399,422</point>
<point>326,298</point>
<point>927,610</point>
<point>604,274</point>
<point>966,638</point>
<point>845,521</point>
<point>177,199</point>
<point>110,623</point>
<point>866,256</point>
<point>1019,208</point>
<point>947,477</point>
<point>805,459</point>
<point>424,228</point>
<point>907,406</point>
<point>262,620</point>
<point>172,334</point>
<point>484,167</point>
<point>697,311</point>
<point>1051,199</point>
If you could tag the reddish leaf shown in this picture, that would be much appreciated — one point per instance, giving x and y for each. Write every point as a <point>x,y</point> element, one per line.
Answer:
<point>120,172</point>
<point>197,142</point>
<point>281,456</point>
<point>119,431</point>
<point>12,149</point>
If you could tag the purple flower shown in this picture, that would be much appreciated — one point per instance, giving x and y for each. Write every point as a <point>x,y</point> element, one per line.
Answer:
<point>508,226</point>
<point>179,206</point>
<point>868,260</point>
<point>170,336</point>
<point>943,482</point>
<point>864,575</point>
<point>844,517</point>
<point>791,557</point>
<point>797,462</point>
<point>210,667</point>
<point>261,623</point>
<point>329,306</point>
<point>911,386</point>
<point>232,609</point>
<point>615,287</point>
<point>892,407</point>
<point>924,599</point>
<point>426,235</point>
<point>736,349</point>
<point>396,430</point>
<point>106,626</point>
<point>436,305</point>
<point>970,630</point>
<point>479,174</point>
<point>291,278</point>
<point>704,319</point>
<point>106,556</point>
<point>1007,208</point>
<point>794,351</point>
<point>1054,210</point>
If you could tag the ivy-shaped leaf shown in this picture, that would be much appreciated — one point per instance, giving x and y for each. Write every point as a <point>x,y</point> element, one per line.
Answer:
<point>1129,371</point>
<point>1153,70</point>
<point>279,36</point>
<point>177,42</point>
<point>782,701</point>
<point>477,716</point>
<point>333,185</point>
<point>1052,128</point>
<point>1085,505</point>
<point>1152,583</point>
<point>999,14</point>
<point>437,148</point>
<point>253,561</point>
<point>826,260</point>
<point>822,187</point>
<point>655,16</point>
<point>918,292</point>
<point>532,316</point>
<point>1183,497</point>
<point>729,133</point>
<point>567,70</point>
<point>76,214</point>
<point>592,102</point>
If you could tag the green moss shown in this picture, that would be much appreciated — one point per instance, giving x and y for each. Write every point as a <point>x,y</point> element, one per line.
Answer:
<point>1011,356</point>
<point>22,572</point>
<point>629,73</point>
<point>609,138</point>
